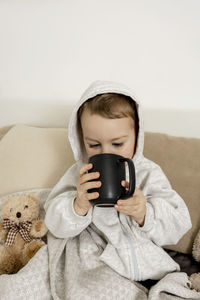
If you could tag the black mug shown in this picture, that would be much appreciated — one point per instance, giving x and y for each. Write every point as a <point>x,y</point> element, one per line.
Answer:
<point>112,171</point>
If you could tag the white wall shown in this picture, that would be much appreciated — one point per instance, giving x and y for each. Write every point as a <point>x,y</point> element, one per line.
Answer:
<point>51,50</point>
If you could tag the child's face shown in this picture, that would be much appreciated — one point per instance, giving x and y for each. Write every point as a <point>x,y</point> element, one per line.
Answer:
<point>103,135</point>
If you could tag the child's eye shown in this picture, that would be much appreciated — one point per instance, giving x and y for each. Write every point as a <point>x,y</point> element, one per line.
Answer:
<point>117,144</point>
<point>94,145</point>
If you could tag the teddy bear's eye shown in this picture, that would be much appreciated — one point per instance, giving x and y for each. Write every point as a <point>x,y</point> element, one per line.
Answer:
<point>26,206</point>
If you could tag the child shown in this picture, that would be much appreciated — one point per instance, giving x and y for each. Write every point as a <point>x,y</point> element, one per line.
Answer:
<point>108,120</point>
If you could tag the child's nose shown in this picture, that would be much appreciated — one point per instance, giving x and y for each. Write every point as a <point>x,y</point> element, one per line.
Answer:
<point>105,149</point>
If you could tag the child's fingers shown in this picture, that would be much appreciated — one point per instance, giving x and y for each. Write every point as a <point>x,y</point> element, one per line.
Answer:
<point>128,205</point>
<point>91,185</point>
<point>84,169</point>
<point>126,185</point>
<point>128,210</point>
<point>91,196</point>
<point>124,208</point>
<point>135,200</point>
<point>89,176</point>
<point>125,202</point>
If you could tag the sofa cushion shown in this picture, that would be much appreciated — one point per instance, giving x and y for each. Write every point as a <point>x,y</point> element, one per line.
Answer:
<point>179,159</point>
<point>32,158</point>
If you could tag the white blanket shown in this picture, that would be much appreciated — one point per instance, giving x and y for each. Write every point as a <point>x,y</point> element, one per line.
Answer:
<point>70,270</point>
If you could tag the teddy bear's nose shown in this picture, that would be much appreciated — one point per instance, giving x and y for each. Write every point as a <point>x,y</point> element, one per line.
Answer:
<point>18,214</point>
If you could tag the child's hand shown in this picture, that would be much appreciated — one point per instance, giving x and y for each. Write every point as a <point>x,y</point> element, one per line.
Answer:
<point>82,202</point>
<point>134,206</point>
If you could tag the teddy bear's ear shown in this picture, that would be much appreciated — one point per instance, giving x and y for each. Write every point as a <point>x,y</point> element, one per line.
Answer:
<point>33,197</point>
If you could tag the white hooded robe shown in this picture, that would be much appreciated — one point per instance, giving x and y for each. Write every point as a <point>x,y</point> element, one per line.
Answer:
<point>133,251</point>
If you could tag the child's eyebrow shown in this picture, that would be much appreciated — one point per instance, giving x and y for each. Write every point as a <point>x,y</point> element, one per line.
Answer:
<point>114,139</point>
<point>91,140</point>
<point>118,138</point>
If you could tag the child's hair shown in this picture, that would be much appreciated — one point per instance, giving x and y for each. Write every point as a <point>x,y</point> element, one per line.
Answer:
<point>111,106</point>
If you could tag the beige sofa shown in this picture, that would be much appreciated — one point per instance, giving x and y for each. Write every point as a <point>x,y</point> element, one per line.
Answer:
<point>33,157</point>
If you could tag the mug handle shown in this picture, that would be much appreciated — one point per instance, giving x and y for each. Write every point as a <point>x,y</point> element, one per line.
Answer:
<point>131,168</point>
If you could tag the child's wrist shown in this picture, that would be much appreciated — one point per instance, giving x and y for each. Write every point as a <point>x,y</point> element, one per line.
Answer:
<point>78,210</point>
<point>139,221</point>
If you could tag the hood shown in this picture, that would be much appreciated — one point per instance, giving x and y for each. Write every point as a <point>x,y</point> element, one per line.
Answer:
<point>101,87</point>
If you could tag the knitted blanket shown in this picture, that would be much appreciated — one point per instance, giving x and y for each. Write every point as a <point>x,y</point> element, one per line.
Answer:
<point>70,269</point>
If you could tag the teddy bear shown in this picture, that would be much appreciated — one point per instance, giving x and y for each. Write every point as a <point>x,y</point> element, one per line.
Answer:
<point>195,278</point>
<point>20,231</point>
